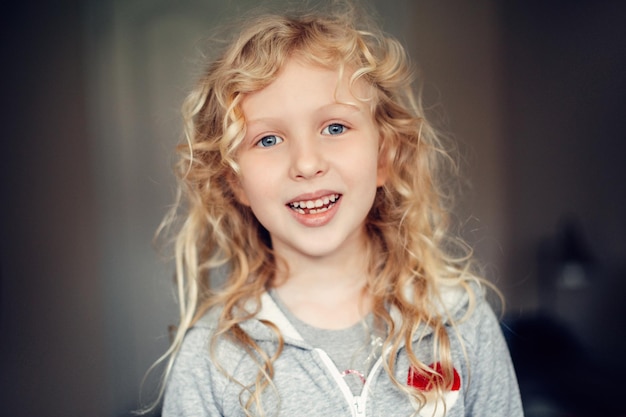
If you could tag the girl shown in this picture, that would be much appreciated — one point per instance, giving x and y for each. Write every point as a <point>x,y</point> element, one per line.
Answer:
<point>312,174</point>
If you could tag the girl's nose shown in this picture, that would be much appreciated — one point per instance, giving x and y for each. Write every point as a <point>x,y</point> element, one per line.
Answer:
<point>307,159</point>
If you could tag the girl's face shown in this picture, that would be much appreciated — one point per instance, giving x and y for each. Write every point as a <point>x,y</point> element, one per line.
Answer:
<point>309,161</point>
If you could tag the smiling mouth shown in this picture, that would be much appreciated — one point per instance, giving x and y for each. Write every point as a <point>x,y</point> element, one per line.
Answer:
<point>318,205</point>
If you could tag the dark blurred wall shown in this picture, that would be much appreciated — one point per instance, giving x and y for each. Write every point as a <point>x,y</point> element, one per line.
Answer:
<point>565,100</point>
<point>564,96</point>
<point>51,339</point>
<point>565,69</point>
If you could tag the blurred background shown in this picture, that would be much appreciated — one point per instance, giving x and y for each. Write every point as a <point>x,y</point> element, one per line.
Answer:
<point>534,91</point>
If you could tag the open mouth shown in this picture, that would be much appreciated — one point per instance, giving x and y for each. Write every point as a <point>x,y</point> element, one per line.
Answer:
<point>318,205</point>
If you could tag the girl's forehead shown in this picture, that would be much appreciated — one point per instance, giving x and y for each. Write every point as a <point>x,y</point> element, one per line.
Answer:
<point>301,73</point>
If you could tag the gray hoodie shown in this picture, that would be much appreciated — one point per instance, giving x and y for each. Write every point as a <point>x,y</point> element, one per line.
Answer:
<point>307,383</point>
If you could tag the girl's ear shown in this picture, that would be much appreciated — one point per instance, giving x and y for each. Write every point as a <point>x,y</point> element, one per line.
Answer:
<point>234,182</point>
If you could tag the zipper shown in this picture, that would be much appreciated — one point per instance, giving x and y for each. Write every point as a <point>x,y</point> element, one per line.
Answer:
<point>343,386</point>
<point>356,402</point>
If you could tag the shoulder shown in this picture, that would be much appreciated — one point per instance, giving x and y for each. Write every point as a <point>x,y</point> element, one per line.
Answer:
<point>190,381</point>
<point>469,313</point>
<point>476,333</point>
<point>192,364</point>
<point>195,361</point>
<point>200,346</point>
<point>462,302</point>
<point>196,382</point>
<point>196,344</point>
<point>220,354</point>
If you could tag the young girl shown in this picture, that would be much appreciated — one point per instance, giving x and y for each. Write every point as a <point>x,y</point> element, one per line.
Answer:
<point>311,174</point>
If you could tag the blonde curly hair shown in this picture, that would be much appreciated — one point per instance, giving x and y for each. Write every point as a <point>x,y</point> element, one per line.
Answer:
<point>410,249</point>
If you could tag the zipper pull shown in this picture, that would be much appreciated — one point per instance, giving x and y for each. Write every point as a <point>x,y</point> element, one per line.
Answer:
<point>359,406</point>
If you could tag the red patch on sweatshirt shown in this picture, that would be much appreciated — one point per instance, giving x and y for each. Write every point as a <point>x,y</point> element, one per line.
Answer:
<point>422,382</point>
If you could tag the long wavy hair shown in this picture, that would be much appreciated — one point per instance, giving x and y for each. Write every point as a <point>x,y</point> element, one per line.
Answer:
<point>411,251</point>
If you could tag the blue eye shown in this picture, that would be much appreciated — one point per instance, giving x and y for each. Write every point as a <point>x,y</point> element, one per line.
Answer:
<point>270,140</point>
<point>334,129</point>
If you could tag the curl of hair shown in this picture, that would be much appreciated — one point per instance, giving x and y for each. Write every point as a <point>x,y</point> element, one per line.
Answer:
<point>411,252</point>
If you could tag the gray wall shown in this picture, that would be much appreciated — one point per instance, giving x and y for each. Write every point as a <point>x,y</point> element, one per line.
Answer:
<point>90,116</point>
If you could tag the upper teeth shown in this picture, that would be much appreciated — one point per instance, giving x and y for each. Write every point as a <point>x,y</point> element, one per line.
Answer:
<point>320,202</point>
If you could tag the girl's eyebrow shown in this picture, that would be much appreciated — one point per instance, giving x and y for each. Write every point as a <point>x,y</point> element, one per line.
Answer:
<point>352,107</point>
<point>340,110</point>
<point>344,106</point>
<point>262,122</point>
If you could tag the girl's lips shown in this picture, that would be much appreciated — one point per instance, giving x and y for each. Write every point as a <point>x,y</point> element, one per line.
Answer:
<point>315,212</point>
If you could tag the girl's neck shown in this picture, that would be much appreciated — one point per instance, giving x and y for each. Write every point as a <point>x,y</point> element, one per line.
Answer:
<point>326,293</point>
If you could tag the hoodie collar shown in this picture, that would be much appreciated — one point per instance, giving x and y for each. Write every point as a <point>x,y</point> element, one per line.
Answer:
<point>452,303</point>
